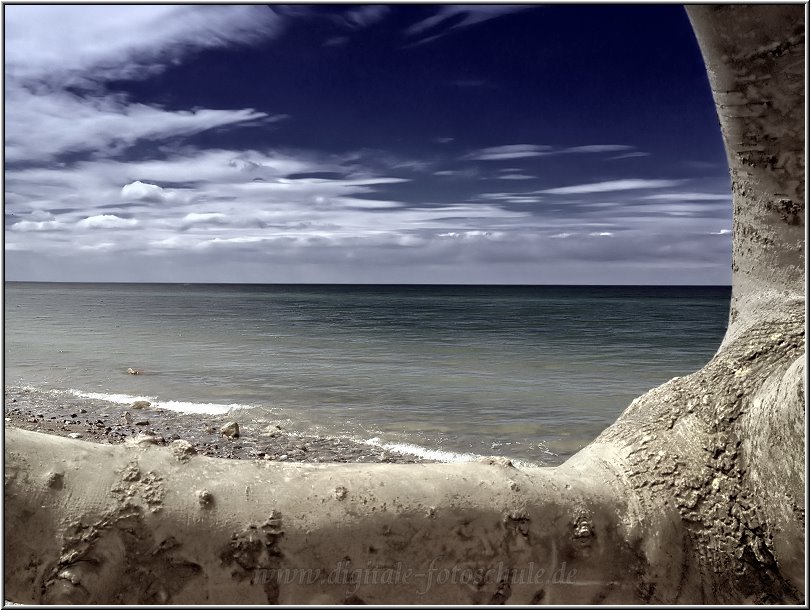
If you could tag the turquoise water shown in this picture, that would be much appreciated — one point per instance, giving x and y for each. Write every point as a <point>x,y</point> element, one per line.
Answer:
<point>532,373</point>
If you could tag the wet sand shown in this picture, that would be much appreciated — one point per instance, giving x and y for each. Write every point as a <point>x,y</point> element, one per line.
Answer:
<point>109,423</point>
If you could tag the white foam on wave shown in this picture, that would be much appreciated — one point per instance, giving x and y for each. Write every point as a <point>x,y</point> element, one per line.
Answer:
<point>439,455</point>
<point>116,398</point>
<point>430,454</point>
<point>208,408</point>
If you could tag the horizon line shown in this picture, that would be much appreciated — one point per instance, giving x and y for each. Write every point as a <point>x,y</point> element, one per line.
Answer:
<point>180,283</point>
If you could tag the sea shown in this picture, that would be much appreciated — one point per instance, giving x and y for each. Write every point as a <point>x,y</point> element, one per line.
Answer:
<point>449,373</point>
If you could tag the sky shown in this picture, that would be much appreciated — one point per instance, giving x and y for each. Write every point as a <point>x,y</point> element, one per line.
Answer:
<point>458,144</point>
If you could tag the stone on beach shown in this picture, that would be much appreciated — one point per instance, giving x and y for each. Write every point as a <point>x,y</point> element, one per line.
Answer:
<point>231,430</point>
<point>182,449</point>
<point>141,440</point>
<point>141,404</point>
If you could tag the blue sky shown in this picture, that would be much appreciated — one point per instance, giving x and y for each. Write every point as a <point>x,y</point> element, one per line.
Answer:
<point>362,143</point>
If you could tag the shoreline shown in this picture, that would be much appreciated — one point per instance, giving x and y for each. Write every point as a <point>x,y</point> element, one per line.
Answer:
<point>104,422</point>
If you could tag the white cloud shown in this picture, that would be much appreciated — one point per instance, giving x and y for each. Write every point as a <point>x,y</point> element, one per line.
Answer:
<point>508,151</point>
<point>229,199</point>
<point>141,191</point>
<point>467,172</point>
<point>106,221</point>
<point>41,126</point>
<point>690,197</point>
<point>519,151</point>
<point>597,148</point>
<point>473,235</point>
<point>241,209</point>
<point>365,204</point>
<point>65,42</point>
<point>59,58</point>
<point>464,15</point>
<point>366,15</point>
<point>514,177</point>
<point>104,246</point>
<point>194,217</point>
<point>366,245</point>
<point>32,225</point>
<point>629,155</point>
<point>214,181</point>
<point>516,197</point>
<point>611,185</point>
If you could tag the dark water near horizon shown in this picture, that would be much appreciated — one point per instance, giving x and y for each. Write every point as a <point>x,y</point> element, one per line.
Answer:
<point>530,372</point>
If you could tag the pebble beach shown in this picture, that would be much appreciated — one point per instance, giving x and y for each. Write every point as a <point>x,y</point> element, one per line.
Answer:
<point>108,423</point>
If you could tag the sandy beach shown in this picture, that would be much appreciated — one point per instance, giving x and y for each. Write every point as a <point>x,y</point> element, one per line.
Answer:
<point>108,423</point>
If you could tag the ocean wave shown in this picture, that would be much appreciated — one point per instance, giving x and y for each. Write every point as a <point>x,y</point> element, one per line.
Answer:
<point>207,408</point>
<point>424,452</point>
<point>439,455</point>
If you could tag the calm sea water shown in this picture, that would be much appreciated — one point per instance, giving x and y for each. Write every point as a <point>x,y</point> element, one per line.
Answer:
<point>533,373</point>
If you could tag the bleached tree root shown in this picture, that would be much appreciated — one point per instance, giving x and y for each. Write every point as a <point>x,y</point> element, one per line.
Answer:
<point>145,526</point>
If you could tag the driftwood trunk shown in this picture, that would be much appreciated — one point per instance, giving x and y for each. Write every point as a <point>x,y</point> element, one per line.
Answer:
<point>695,495</point>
